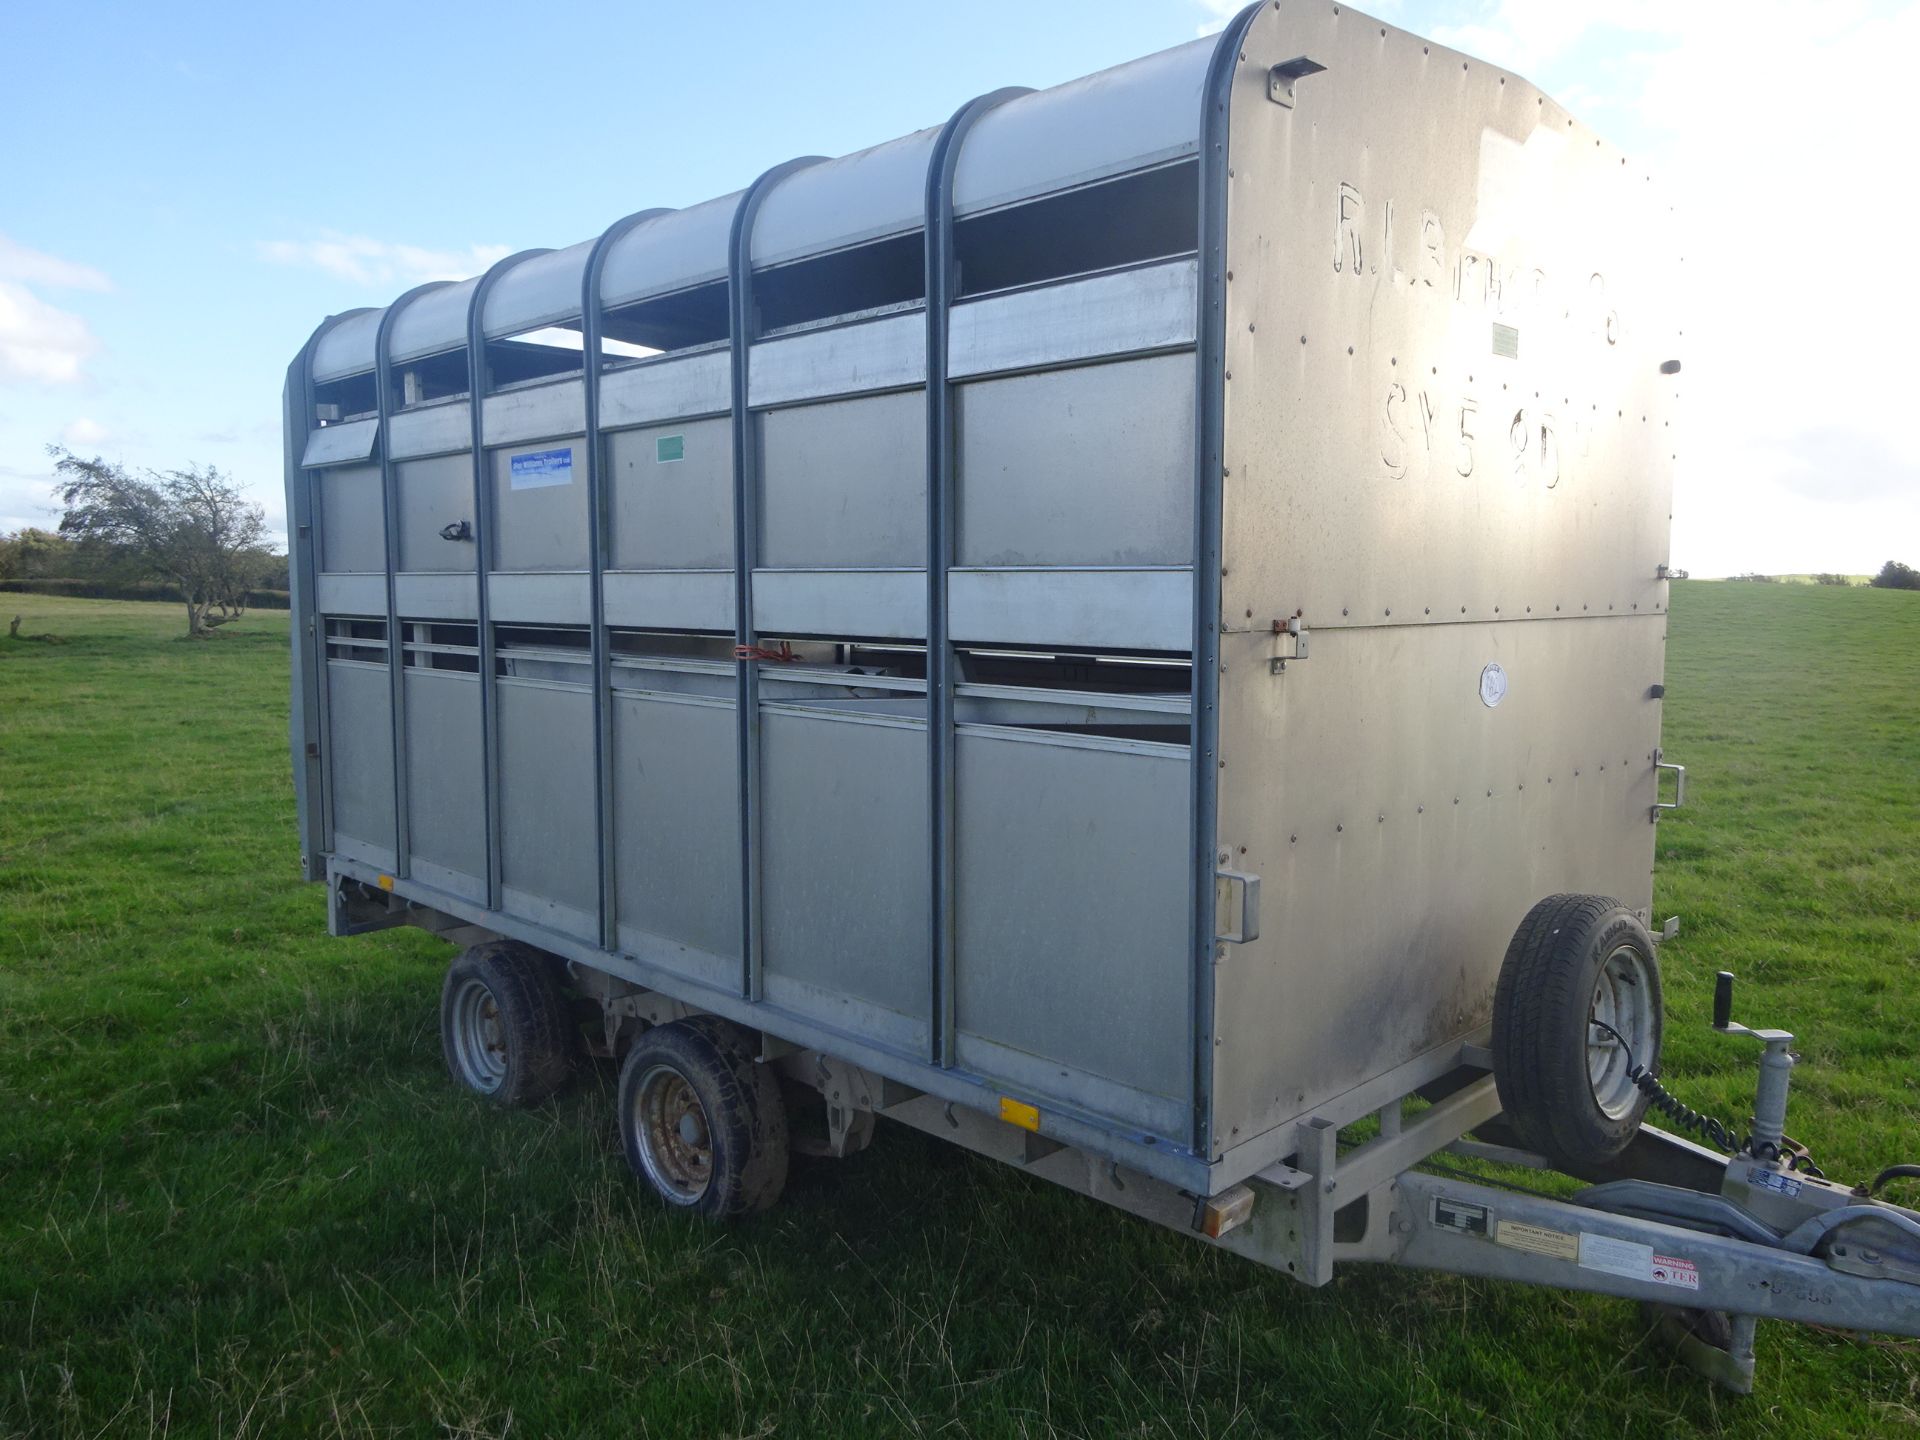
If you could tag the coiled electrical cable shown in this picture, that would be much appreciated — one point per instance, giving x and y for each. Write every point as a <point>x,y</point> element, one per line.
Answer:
<point>1708,1127</point>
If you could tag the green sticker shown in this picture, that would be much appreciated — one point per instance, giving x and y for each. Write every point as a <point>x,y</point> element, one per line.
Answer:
<point>669,447</point>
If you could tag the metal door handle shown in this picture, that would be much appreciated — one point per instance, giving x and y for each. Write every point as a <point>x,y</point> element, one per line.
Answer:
<point>1679,785</point>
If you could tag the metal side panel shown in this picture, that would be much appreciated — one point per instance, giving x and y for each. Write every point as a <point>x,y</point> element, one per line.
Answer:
<point>1401,826</point>
<point>353,530</point>
<point>1476,422</point>
<point>436,596</point>
<point>350,594</point>
<point>1151,308</point>
<point>670,599</point>
<point>446,818</point>
<point>348,444</point>
<point>665,389</point>
<point>859,197</point>
<point>539,506</point>
<point>512,417</point>
<point>670,252</point>
<point>438,429</point>
<point>844,876</point>
<point>360,738</point>
<point>883,354</point>
<point>845,483</point>
<point>677,834</point>
<point>547,868</point>
<point>1089,466</point>
<point>670,496</point>
<point>434,323</point>
<point>877,604</point>
<point>1071,911</point>
<point>346,347</point>
<point>1120,119</point>
<point>1112,609</point>
<point>542,598</point>
<point>434,494</point>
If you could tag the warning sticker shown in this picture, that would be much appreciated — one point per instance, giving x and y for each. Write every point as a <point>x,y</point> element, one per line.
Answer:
<point>1459,1215</point>
<point>1616,1257</point>
<point>1668,1270</point>
<point>1537,1240</point>
<point>541,467</point>
<point>1636,1262</point>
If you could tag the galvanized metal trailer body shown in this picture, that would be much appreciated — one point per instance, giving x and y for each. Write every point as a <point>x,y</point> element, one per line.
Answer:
<point>1108,611</point>
<point>1378,356</point>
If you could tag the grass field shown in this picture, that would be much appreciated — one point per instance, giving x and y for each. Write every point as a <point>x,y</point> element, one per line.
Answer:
<point>238,1195</point>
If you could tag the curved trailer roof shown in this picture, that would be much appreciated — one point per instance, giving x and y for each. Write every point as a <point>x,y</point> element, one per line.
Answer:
<point>1129,118</point>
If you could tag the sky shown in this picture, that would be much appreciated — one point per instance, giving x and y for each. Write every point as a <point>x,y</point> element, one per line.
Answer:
<point>187,190</point>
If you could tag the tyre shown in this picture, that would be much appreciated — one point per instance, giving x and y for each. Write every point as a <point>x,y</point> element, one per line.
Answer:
<point>1565,1082</point>
<point>701,1122</point>
<point>505,1028</point>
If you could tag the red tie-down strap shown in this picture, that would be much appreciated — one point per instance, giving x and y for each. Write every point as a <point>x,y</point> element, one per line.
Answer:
<point>784,654</point>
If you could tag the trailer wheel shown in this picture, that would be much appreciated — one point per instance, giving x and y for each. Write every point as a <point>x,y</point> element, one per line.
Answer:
<point>701,1122</point>
<point>504,1026</point>
<point>1565,1082</point>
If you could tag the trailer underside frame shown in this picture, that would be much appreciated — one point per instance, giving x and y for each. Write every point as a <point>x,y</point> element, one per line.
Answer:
<point>1322,1207</point>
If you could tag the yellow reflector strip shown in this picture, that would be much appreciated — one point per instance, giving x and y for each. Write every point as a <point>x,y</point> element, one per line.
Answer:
<point>386,882</point>
<point>1014,1112</point>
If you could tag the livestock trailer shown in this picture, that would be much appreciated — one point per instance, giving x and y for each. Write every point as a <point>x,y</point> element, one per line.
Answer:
<point>1124,630</point>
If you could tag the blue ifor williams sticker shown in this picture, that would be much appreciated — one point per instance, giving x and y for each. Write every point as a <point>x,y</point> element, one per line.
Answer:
<point>542,467</point>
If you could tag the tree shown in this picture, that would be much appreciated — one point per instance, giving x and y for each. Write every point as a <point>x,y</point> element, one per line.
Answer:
<point>32,554</point>
<point>1895,576</point>
<point>191,527</point>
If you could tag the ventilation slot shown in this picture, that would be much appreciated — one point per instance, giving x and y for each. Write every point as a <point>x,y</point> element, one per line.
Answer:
<point>355,639</point>
<point>349,399</point>
<point>431,378</point>
<point>1109,695</point>
<point>885,275</point>
<point>557,654</point>
<point>534,355</point>
<point>433,645</point>
<point>666,323</point>
<point>1152,215</point>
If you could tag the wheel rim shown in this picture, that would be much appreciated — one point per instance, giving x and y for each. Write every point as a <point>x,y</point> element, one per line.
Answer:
<point>675,1140</point>
<point>479,1038</point>
<point>1622,999</point>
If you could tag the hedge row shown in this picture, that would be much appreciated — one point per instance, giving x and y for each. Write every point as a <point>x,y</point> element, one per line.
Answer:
<point>129,590</point>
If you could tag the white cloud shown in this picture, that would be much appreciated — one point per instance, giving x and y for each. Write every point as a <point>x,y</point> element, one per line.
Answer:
<point>83,433</point>
<point>371,262</point>
<point>40,343</point>
<point>35,267</point>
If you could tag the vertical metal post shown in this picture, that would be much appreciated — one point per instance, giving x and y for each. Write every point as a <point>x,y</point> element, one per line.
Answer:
<point>742,326</point>
<point>483,559</point>
<point>592,330</point>
<point>1210,346</point>
<point>942,281</point>
<point>390,524</point>
<point>311,754</point>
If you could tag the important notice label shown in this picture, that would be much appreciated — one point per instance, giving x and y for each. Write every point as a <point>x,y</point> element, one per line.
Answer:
<point>537,468</point>
<point>1537,1240</point>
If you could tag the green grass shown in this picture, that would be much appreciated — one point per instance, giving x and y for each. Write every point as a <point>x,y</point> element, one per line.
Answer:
<point>239,1196</point>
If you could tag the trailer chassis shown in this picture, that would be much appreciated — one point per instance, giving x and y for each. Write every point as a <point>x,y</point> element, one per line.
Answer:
<point>1711,1244</point>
